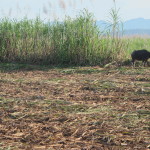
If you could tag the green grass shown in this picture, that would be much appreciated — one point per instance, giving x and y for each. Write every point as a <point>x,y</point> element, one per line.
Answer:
<point>73,42</point>
<point>79,70</point>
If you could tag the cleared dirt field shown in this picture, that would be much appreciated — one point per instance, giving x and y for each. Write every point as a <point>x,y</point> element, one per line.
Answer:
<point>78,108</point>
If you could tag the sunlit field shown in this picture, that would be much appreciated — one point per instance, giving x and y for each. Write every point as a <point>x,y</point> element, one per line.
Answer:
<point>74,107</point>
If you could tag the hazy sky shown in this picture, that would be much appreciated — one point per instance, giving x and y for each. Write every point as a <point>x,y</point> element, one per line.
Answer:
<point>50,9</point>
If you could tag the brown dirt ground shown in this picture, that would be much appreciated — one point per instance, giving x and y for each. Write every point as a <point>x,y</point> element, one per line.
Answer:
<point>82,108</point>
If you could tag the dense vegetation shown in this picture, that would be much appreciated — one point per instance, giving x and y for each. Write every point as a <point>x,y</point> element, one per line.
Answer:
<point>75,41</point>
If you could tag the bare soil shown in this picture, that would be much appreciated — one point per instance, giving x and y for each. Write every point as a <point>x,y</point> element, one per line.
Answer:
<point>76,108</point>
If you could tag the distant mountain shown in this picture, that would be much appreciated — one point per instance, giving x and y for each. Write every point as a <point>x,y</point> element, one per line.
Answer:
<point>139,23</point>
<point>137,32</point>
<point>102,24</point>
<point>138,26</point>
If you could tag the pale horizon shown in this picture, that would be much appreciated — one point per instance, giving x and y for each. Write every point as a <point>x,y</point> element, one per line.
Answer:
<point>58,9</point>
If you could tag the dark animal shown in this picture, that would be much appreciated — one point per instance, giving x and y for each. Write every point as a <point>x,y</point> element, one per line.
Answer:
<point>141,55</point>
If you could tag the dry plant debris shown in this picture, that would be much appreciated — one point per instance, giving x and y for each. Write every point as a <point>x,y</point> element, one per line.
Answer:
<point>78,108</point>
